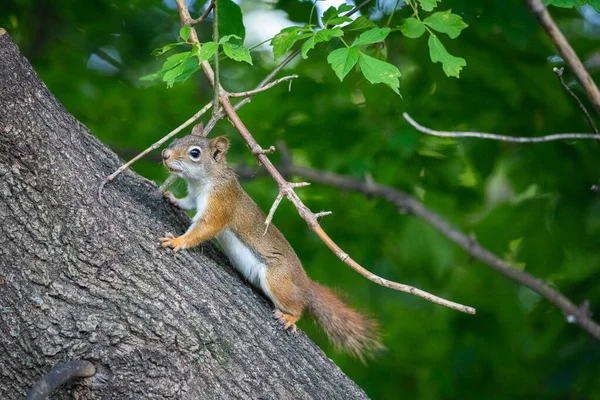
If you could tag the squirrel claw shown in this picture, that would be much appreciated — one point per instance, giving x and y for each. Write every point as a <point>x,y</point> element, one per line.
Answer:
<point>171,199</point>
<point>288,321</point>
<point>169,240</point>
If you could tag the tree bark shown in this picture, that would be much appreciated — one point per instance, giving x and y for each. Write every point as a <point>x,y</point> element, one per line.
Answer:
<point>83,280</point>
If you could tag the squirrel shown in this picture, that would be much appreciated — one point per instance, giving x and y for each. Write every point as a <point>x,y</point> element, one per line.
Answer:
<point>266,259</point>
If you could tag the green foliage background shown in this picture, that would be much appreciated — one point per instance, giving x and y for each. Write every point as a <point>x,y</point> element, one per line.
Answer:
<point>530,204</point>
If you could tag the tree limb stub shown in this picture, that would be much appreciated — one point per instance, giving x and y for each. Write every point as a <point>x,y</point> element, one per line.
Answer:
<point>85,281</point>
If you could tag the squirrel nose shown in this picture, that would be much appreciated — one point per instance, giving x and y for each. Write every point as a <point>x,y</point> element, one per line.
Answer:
<point>166,154</point>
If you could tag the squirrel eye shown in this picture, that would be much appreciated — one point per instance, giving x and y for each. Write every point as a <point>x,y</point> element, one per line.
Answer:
<point>195,153</point>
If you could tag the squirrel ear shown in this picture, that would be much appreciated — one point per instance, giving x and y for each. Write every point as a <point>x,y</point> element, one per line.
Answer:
<point>218,147</point>
<point>198,130</point>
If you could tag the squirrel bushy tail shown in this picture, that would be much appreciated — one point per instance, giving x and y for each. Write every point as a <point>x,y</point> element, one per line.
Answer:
<point>348,330</point>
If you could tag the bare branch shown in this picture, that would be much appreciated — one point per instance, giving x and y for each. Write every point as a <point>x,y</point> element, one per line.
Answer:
<point>559,74</point>
<point>286,188</point>
<point>468,242</point>
<point>199,20</point>
<point>272,211</point>
<point>565,50</point>
<point>493,136</point>
<point>153,147</point>
<point>250,93</point>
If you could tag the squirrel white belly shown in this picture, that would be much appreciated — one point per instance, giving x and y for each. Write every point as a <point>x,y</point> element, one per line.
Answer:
<point>225,211</point>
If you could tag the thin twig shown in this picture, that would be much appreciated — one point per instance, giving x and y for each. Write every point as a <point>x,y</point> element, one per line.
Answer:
<point>215,37</point>
<point>403,201</point>
<point>58,375</point>
<point>204,15</point>
<point>493,136</point>
<point>565,50</point>
<point>559,73</point>
<point>153,147</point>
<point>287,189</point>
<point>252,92</point>
<point>358,7</point>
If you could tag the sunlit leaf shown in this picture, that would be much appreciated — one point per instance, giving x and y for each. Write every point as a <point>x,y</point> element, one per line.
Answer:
<point>412,28</point>
<point>438,53</point>
<point>429,5</point>
<point>360,24</point>
<point>237,52</point>
<point>377,71</point>
<point>164,49</point>
<point>374,35</point>
<point>446,22</point>
<point>184,32</point>
<point>343,60</point>
<point>206,51</point>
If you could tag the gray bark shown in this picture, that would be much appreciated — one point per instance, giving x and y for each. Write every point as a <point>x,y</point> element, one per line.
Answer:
<point>88,281</point>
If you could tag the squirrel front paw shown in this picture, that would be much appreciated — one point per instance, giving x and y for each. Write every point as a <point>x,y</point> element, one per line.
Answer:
<point>171,241</point>
<point>171,198</point>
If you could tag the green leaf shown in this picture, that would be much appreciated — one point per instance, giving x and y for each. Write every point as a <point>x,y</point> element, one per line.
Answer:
<point>412,28</point>
<point>184,32</point>
<point>175,60</point>
<point>338,20</point>
<point>189,67</point>
<point>374,35</point>
<point>428,5</point>
<point>164,49</point>
<point>332,15</point>
<point>451,65</point>
<point>177,70</point>
<point>343,60</point>
<point>237,52</point>
<point>380,72</point>
<point>325,35</point>
<point>284,40</point>
<point>206,51</point>
<point>230,20</point>
<point>446,22</point>
<point>308,46</point>
<point>360,24</point>
<point>227,38</point>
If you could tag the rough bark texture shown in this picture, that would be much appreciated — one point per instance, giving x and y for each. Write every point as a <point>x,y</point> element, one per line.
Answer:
<point>87,281</point>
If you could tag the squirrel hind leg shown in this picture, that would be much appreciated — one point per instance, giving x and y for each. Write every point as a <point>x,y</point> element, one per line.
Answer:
<point>288,321</point>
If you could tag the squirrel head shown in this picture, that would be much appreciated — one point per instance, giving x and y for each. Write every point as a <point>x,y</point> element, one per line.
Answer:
<point>194,157</point>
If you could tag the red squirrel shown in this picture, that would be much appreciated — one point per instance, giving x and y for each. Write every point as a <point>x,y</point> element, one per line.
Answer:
<point>225,211</point>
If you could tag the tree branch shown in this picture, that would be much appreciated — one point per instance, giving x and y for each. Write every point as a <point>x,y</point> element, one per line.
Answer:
<point>404,202</point>
<point>252,92</point>
<point>565,50</point>
<point>200,19</point>
<point>559,74</point>
<point>287,188</point>
<point>493,136</point>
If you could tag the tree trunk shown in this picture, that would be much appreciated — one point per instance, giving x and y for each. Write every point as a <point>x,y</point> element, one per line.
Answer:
<point>88,281</point>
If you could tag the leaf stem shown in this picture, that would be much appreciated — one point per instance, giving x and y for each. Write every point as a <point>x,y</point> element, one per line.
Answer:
<point>343,41</point>
<point>392,14</point>
<point>312,10</point>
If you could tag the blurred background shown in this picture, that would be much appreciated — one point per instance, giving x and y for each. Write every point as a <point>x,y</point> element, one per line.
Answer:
<point>530,204</point>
